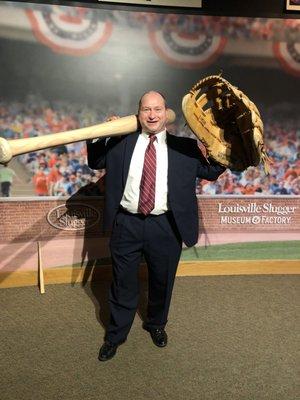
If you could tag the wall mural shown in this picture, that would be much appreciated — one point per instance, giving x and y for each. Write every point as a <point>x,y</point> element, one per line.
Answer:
<point>63,68</point>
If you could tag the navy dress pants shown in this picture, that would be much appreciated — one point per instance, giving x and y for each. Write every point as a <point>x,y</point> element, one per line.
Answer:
<point>156,238</point>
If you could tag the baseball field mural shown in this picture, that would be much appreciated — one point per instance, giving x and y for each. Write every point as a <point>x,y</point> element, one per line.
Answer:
<point>65,68</point>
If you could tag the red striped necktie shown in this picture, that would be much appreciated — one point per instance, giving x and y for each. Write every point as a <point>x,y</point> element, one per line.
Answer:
<point>147,186</point>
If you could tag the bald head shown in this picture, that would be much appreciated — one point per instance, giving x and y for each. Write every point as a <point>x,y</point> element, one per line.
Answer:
<point>151,92</point>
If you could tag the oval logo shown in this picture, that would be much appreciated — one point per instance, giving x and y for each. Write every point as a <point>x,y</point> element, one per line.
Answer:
<point>75,217</point>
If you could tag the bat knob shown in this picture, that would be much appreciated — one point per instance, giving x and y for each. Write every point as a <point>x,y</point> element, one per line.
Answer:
<point>171,116</point>
<point>5,151</point>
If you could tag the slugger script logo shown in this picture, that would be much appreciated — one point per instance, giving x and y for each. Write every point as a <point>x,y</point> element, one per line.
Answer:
<point>74,217</point>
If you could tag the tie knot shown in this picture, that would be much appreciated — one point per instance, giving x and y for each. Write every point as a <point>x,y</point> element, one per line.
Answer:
<point>152,138</point>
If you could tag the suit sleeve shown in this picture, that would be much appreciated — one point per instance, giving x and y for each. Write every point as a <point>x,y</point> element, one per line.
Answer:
<point>96,153</point>
<point>210,171</point>
<point>207,168</point>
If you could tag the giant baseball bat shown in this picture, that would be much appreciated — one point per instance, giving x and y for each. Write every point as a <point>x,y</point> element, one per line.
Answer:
<point>117,127</point>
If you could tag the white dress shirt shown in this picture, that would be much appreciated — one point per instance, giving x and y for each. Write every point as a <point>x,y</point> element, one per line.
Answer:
<point>130,199</point>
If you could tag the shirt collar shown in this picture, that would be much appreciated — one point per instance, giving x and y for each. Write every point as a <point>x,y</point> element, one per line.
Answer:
<point>161,136</point>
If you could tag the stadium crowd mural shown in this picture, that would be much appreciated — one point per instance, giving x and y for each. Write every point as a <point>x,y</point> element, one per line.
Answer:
<point>63,170</point>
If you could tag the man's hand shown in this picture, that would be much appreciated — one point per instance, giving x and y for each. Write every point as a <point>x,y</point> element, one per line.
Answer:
<point>112,118</point>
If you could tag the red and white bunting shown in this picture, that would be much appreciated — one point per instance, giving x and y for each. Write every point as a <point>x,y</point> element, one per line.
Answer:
<point>69,34</point>
<point>288,55</point>
<point>189,51</point>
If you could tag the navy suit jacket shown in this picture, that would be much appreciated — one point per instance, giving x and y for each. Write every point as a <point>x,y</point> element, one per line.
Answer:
<point>185,163</point>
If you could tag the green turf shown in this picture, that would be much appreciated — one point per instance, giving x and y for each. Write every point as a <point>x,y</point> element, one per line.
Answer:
<point>289,250</point>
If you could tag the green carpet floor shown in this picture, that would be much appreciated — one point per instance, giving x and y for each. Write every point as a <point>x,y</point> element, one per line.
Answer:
<point>230,337</point>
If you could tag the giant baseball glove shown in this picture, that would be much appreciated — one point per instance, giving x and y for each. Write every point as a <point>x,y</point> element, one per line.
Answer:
<point>227,122</point>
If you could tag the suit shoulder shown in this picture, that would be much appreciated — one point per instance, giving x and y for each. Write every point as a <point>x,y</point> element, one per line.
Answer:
<point>182,142</point>
<point>182,139</point>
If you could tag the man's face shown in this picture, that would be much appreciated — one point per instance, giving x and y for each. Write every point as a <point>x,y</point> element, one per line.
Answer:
<point>152,113</point>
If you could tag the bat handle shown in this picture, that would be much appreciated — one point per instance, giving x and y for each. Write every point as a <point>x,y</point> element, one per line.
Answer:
<point>5,151</point>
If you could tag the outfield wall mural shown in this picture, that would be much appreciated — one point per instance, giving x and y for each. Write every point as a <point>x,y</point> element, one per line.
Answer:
<point>69,231</point>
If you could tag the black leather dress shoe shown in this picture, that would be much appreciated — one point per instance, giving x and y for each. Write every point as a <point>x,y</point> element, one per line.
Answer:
<point>107,351</point>
<point>159,337</point>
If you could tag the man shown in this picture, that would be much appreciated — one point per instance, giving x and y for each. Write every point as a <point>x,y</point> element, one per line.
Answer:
<point>151,207</point>
<point>7,176</point>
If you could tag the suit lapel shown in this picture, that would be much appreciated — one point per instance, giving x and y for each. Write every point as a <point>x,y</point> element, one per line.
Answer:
<point>171,160</point>
<point>128,151</point>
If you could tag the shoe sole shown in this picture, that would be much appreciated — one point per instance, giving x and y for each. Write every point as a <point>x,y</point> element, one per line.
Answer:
<point>160,345</point>
<point>106,359</point>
